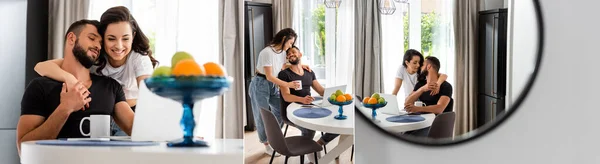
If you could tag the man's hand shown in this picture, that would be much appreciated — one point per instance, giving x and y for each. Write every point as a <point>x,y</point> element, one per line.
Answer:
<point>75,97</point>
<point>293,85</point>
<point>306,68</point>
<point>411,108</point>
<point>307,100</point>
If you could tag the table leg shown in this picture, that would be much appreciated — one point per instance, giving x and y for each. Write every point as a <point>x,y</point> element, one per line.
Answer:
<point>344,143</point>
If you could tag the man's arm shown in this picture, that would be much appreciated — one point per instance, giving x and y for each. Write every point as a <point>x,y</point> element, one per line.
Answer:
<point>34,127</point>
<point>318,87</point>
<point>288,97</point>
<point>124,116</point>
<point>414,96</point>
<point>436,109</point>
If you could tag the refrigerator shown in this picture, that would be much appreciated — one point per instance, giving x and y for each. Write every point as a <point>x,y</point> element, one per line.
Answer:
<point>258,32</point>
<point>492,41</point>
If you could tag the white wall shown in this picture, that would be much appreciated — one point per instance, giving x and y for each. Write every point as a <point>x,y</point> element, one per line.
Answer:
<point>556,124</point>
<point>12,71</point>
<point>520,56</point>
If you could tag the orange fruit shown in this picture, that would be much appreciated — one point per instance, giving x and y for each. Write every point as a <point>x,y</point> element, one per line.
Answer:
<point>366,100</point>
<point>348,96</point>
<point>214,69</point>
<point>372,101</point>
<point>188,67</point>
<point>341,98</point>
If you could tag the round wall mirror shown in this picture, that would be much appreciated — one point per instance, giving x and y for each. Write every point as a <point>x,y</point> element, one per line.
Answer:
<point>463,72</point>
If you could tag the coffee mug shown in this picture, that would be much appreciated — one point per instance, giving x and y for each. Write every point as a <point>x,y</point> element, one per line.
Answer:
<point>420,103</point>
<point>299,83</point>
<point>99,126</point>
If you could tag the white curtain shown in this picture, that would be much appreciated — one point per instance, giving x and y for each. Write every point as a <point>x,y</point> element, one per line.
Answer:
<point>335,67</point>
<point>392,48</point>
<point>62,14</point>
<point>443,41</point>
<point>344,54</point>
<point>231,16</point>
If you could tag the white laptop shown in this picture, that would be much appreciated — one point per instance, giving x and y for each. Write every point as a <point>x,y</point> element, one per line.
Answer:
<point>157,118</point>
<point>327,93</point>
<point>392,106</point>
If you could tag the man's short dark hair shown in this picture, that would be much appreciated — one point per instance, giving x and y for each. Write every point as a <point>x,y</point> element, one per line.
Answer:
<point>77,26</point>
<point>289,49</point>
<point>435,62</point>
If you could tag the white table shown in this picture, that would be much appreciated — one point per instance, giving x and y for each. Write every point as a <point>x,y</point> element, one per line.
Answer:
<point>330,125</point>
<point>396,127</point>
<point>220,151</point>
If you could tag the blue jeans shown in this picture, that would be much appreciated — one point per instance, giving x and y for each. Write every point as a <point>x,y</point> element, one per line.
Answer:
<point>264,95</point>
<point>311,133</point>
<point>115,130</point>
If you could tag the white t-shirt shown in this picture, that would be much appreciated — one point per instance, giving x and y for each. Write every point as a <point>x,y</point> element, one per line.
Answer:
<point>135,66</point>
<point>408,80</point>
<point>268,57</point>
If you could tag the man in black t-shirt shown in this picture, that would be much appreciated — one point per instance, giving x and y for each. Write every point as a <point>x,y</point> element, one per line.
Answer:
<point>51,109</point>
<point>439,103</point>
<point>302,95</point>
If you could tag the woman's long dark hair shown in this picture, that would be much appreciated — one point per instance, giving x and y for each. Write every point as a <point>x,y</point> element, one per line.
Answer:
<point>283,36</point>
<point>141,44</point>
<point>408,55</point>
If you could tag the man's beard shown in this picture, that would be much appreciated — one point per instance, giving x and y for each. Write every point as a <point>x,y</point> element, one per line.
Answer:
<point>295,62</point>
<point>81,56</point>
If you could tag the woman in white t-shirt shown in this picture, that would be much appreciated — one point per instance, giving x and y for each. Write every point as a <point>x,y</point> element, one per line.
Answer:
<point>125,56</point>
<point>264,91</point>
<point>407,74</point>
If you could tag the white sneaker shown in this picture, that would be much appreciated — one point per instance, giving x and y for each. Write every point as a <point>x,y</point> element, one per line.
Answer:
<point>269,151</point>
<point>311,157</point>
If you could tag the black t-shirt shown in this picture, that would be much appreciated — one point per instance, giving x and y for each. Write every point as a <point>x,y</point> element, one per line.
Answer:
<point>445,90</point>
<point>288,75</point>
<point>42,96</point>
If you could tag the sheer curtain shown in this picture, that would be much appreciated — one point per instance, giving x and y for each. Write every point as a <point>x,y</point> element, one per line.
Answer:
<point>178,26</point>
<point>344,56</point>
<point>392,49</point>
<point>326,40</point>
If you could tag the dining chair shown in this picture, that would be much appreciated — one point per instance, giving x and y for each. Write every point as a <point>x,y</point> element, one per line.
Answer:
<point>287,146</point>
<point>287,121</point>
<point>442,126</point>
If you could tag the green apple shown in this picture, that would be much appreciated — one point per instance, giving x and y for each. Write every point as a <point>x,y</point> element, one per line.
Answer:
<point>180,56</point>
<point>162,71</point>
<point>381,101</point>
<point>376,96</point>
<point>332,97</point>
<point>339,92</point>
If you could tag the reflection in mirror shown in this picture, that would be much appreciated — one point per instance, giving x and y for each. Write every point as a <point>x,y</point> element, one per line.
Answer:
<point>449,75</point>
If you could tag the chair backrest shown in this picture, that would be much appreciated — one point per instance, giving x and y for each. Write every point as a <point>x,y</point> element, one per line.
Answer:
<point>442,126</point>
<point>273,131</point>
<point>283,109</point>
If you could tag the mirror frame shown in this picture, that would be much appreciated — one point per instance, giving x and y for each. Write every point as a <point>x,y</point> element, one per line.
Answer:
<point>420,141</point>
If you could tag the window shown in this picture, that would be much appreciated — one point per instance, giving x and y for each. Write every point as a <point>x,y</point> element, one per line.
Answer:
<point>326,39</point>
<point>173,26</point>
<point>423,25</point>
